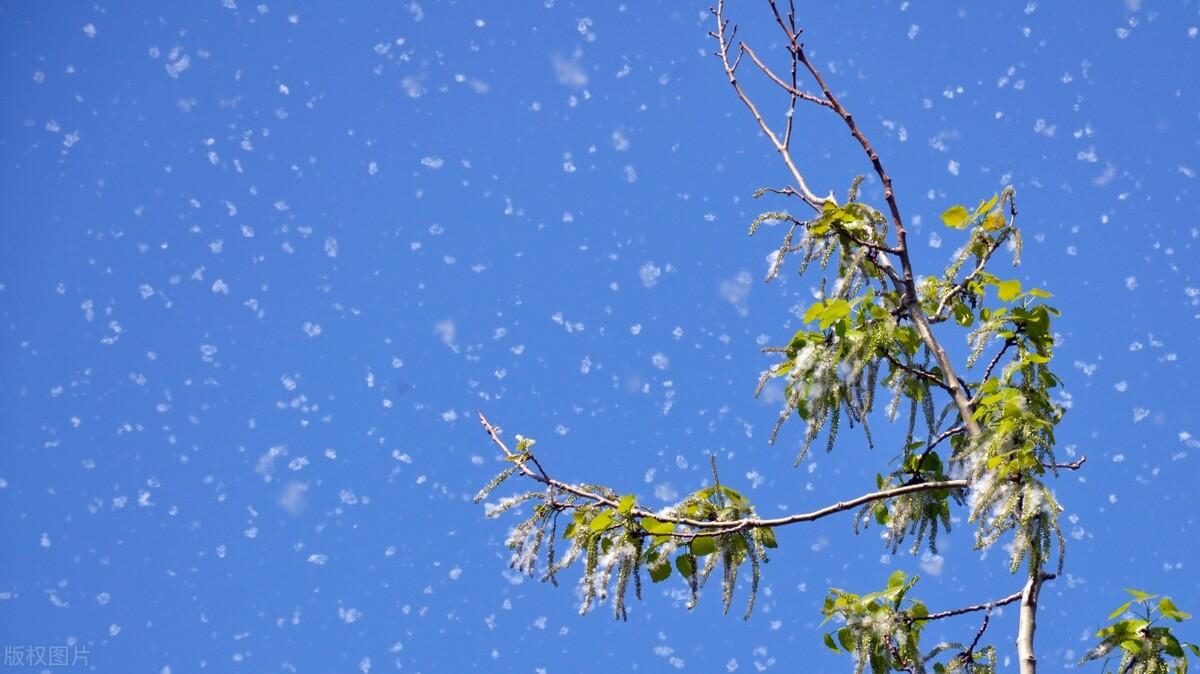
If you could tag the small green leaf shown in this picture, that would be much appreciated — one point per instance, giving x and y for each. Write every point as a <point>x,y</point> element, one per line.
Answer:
<point>985,206</point>
<point>813,312</point>
<point>845,637</point>
<point>659,572</point>
<point>932,463</point>
<point>734,494</point>
<point>962,314</point>
<point>956,217</point>
<point>1038,292</point>
<point>1171,645</point>
<point>1134,646</point>
<point>1120,609</point>
<point>829,642</point>
<point>1138,595</point>
<point>1167,608</point>
<point>1009,290</point>
<point>569,531</point>
<point>626,504</point>
<point>897,579</point>
<point>601,521</point>
<point>703,545</point>
<point>881,514</point>
<point>657,528</point>
<point>684,564</point>
<point>768,537</point>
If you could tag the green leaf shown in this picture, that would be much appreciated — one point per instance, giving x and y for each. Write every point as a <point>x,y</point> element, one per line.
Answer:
<point>897,579</point>
<point>1123,628</point>
<point>569,531</point>
<point>626,504</point>
<point>601,521</point>
<point>1193,648</point>
<point>846,638</point>
<point>828,311</point>
<point>1038,292</point>
<point>881,514</point>
<point>813,312</point>
<point>956,217</point>
<point>829,642</point>
<point>734,494</point>
<point>659,572</point>
<point>1132,645</point>
<point>985,206</point>
<point>1008,290</point>
<point>1167,608</point>
<point>684,564</point>
<point>962,314</point>
<point>1171,645</point>
<point>657,528</point>
<point>703,545</point>
<point>768,537</point>
<point>932,463</point>
<point>1139,595</point>
<point>1120,609</point>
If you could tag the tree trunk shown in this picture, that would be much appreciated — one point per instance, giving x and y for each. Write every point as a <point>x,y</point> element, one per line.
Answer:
<point>1026,660</point>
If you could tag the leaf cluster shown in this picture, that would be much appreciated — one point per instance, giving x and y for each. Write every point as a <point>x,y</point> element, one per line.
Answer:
<point>1139,643</point>
<point>883,629</point>
<point>616,540</point>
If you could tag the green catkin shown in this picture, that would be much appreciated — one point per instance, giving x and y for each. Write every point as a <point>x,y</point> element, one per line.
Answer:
<point>495,482</point>
<point>728,576</point>
<point>755,573</point>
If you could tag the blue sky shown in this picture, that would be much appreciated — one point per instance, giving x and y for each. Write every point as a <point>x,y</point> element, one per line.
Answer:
<point>262,263</point>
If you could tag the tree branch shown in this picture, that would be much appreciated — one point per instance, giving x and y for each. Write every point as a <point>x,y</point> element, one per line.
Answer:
<point>1074,465</point>
<point>987,372</point>
<point>916,371</point>
<point>976,607</point>
<point>723,44</point>
<point>907,286</point>
<point>791,89</point>
<point>707,527</point>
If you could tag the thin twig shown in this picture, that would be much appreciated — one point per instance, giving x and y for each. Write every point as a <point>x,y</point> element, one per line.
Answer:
<point>723,44</point>
<point>1074,465</point>
<point>988,371</point>
<point>791,89</point>
<point>916,371</point>
<point>1016,596</point>
<point>967,656</point>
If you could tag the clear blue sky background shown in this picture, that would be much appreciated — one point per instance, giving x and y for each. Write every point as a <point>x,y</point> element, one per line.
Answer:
<point>261,263</point>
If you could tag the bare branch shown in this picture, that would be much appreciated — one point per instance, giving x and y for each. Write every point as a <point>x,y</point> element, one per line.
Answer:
<point>1074,465</point>
<point>790,88</point>
<point>916,371</point>
<point>953,431</point>
<point>987,372</point>
<point>976,607</point>
<point>723,45</point>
